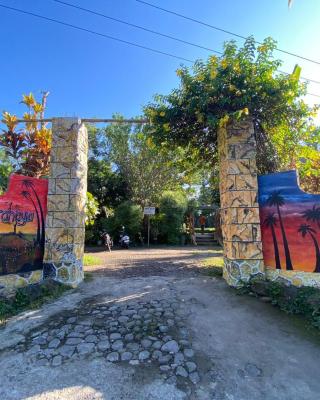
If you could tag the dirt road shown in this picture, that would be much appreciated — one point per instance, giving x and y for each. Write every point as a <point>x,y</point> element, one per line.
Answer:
<point>151,326</point>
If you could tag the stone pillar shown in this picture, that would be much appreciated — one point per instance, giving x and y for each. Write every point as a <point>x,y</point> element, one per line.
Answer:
<point>65,224</point>
<point>240,222</point>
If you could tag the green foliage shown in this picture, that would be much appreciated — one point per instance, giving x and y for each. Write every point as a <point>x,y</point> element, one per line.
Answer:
<point>173,206</point>
<point>5,171</point>
<point>128,215</point>
<point>30,297</point>
<point>242,82</point>
<point>92,209</point>
<point>303,301</point>
<point>89,260</point>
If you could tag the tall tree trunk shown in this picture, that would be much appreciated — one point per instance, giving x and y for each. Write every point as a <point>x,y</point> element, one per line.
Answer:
<point>38,221</point>
<point>316,245</point>
<point>43,228</point>
<point>276,249</point>
<point>289,266</point>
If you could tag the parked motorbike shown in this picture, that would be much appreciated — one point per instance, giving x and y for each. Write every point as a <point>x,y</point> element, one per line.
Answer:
<point>124,241</point>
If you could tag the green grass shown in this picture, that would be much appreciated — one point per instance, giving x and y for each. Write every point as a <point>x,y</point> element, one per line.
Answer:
<point>90,260</point>
<point>212,266</point>
<point>29,298</point>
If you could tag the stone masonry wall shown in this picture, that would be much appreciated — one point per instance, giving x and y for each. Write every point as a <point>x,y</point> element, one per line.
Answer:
<point>65,224</point>
<point>240,222</point>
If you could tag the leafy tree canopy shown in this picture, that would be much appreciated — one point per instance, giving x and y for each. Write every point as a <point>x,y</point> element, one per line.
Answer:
<point>242,82</point>
<point>146,170</point>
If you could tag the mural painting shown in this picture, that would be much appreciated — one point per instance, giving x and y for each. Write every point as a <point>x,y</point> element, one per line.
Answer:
<point>23,210</point>
<point>290,223</point>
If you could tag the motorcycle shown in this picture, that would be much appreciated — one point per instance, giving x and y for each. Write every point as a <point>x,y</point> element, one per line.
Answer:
<point>124,241</point>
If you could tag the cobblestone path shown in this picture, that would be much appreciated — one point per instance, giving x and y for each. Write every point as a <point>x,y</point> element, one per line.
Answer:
<point>151,326</point>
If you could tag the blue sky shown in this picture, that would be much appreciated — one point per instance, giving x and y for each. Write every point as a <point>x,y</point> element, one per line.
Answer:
<point>89,76</point>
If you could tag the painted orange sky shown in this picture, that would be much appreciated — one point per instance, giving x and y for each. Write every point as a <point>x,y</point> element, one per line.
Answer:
<point>294,203</point>
<point>14,198</point>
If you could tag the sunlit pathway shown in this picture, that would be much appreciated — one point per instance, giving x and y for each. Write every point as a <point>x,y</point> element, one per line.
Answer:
<point>150,325</point>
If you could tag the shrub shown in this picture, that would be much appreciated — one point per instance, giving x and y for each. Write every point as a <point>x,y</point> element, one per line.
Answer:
<point>128,215</point>
<point>173,206</point>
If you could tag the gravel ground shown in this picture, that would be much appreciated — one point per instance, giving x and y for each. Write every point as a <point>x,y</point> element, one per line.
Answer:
<point>150,326</point>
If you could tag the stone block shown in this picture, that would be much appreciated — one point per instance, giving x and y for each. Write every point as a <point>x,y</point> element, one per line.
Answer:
<point>60,202</point>
<point>70,219</point>
<point>246,182</point>
<point>243,250</point>
<point>236,199</point>
<point>64,155</point>
<point>239,232</point>
<point>247,215</point>
<point>60,170</point>
<point>229,216</point>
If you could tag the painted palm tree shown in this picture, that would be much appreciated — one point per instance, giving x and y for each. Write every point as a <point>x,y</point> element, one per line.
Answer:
<point>27,183</point>
<point>270,222</point>
<point>313,214</point>
<point>28,197</point>
<point>305,229</point>
<point>275,199</point>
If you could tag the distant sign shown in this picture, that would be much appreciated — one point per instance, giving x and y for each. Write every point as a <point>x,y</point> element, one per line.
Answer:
<point>149,210</point>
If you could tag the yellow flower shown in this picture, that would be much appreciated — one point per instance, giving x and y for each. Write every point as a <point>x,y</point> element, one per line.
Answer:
<point>179,72</point>
<point>9,120</point>
<point>246,111</point>
<point>28,100</point>
<point>166,127</point>
<point>224,63</point>
<point>37,108</point>
<point>162,114</point>
<point>213,73</point>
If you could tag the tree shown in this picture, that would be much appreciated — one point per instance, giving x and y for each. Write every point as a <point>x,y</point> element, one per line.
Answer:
<point>173,206</point>
<point>277,200</point>
<point>147,169</point>
<point>305,229</point>
<point>242,82</point>
<point>91,209</point>
<point>271,222</point>
<point>312,214</point>
<point>28,148</point>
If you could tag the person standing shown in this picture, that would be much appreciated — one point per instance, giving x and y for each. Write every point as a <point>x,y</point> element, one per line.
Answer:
<point>202,221</point>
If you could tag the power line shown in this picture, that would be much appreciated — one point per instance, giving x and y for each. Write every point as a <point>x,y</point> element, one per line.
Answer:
<point>103,35</point>
<point>221,30</point>
<point>137,26</point>
<point>156,32</point>
<point>95,33</point>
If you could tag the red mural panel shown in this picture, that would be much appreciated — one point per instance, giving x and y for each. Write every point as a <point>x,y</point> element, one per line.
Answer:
<point>23,210</point>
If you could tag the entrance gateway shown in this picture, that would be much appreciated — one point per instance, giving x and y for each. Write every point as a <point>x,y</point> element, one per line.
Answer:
<point>65,224</point>
<point>289,215</point>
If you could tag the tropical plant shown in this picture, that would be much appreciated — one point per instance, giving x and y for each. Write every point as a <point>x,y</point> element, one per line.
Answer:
<point>270,222</point>
<point>28,148</point>
<point>243,82</point>
<point>305,229</point>
<point>275,199</point>
<point>313,214</point>
<point>91,209</point>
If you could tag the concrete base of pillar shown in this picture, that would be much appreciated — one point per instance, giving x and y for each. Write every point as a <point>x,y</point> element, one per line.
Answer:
<point>238,272</point>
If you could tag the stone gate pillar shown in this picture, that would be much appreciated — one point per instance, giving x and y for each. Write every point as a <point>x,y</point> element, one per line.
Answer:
<point>239,207</point>
<point>65,224</point>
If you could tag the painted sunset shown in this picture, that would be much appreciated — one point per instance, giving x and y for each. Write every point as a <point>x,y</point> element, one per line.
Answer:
<point>290,223</point>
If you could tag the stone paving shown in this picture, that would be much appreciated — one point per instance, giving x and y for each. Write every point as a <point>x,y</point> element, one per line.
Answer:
<point>136,332</point>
